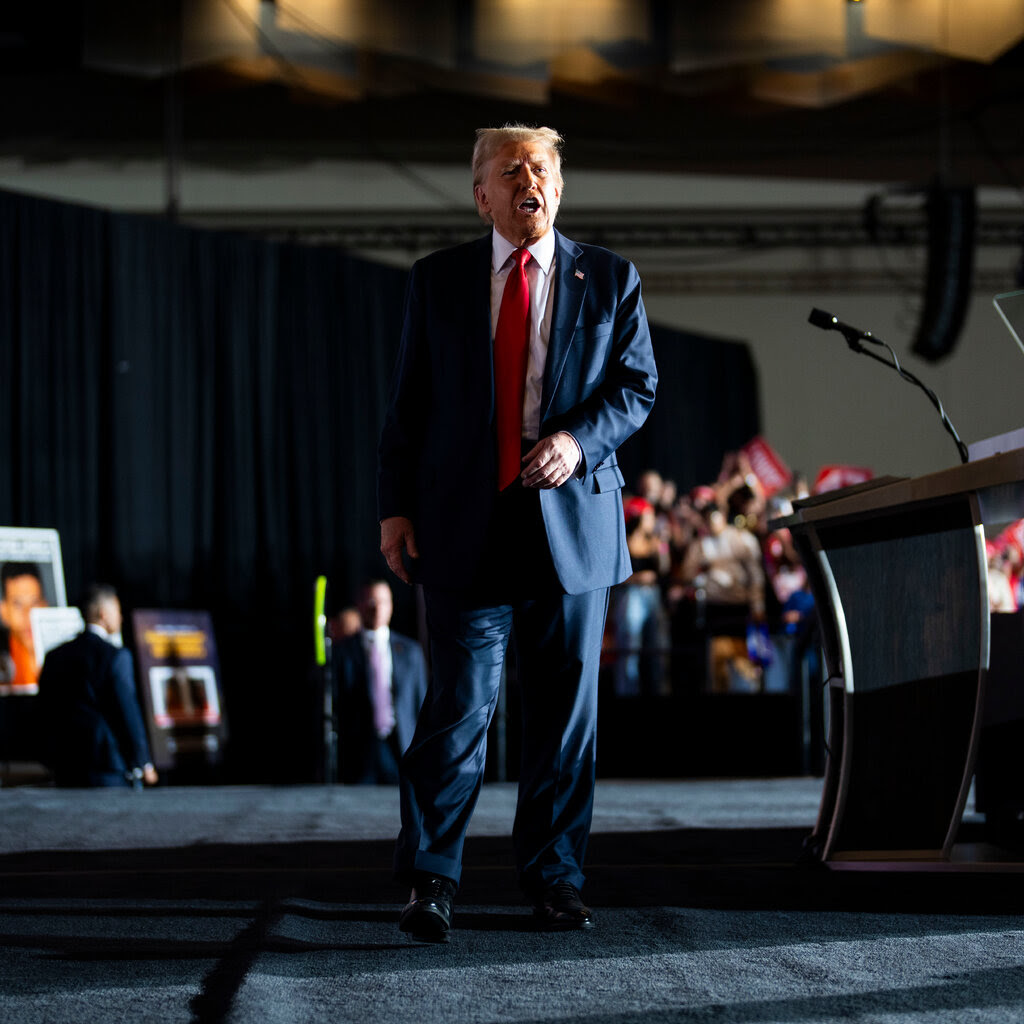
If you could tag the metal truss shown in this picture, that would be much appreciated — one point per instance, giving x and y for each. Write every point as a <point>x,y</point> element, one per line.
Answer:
<point>632,230</point>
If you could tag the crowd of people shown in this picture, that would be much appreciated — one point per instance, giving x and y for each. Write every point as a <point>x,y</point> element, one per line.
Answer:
<point>1005,554</point>
<point>713,588</point>
<point>711,585</point>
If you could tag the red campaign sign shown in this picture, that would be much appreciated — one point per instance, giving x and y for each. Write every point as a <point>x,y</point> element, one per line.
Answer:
<point>772,473</point>
<point>1013,534</point>
<point>832,478</point>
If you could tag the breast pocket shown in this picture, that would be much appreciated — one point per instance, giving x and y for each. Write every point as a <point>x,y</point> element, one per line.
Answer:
<point>592,348</point>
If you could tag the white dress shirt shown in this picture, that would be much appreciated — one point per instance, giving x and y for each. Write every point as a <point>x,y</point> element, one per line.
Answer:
<point>112,638</point>
<point>540,276</point>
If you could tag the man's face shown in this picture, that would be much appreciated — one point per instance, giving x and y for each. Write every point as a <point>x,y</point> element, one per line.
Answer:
<point>21,595</point>
<point>375,606</point>
<point>110,618</point>
<point>650,486</point>
<point>520,191</point>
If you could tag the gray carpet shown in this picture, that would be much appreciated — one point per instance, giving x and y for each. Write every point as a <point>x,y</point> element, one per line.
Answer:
<point>275,904</point>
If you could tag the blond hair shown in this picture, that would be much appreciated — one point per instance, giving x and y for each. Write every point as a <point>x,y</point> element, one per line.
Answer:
<point>490,140</point>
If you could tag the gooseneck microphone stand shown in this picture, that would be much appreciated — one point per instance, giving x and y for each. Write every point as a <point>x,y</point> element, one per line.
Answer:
<point>855,338</point>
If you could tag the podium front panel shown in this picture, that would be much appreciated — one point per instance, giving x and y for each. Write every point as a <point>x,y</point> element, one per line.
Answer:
<point>916,578</point>
<point>902,594</point>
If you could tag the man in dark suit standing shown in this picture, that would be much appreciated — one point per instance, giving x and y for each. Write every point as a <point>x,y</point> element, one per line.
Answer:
<point>525,362</point>
<point>93,724</point>
<point>382,680</point>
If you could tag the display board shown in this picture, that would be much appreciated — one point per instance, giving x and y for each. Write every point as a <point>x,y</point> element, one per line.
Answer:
<point>179,681</point>
<point>31,576</point>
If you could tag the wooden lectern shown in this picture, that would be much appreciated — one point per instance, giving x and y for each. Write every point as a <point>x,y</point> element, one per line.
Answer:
<point>899,574</point>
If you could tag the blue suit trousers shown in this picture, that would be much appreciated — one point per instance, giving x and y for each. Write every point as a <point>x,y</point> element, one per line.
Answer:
<point>557,639</point>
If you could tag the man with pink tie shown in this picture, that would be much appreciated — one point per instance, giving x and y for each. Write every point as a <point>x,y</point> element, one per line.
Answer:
<point>381,680</point>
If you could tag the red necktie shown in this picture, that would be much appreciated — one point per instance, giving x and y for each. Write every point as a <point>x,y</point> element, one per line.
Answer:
<point>511,345</point>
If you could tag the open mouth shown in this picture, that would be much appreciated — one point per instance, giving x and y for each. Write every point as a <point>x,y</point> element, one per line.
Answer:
<point>530,205</point>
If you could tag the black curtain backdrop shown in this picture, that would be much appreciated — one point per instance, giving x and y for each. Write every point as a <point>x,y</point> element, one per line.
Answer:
<point>197,414</point>
<point>707,405</point>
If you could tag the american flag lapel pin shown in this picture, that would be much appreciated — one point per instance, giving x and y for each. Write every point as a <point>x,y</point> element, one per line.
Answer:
<point>579,274</point>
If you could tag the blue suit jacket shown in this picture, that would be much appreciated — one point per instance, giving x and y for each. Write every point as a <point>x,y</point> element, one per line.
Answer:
<point>355,700</point>
<point>438,461</point>
<point>94,726</point>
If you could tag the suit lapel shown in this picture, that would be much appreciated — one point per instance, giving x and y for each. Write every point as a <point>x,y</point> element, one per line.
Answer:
<point>570,287</point>
<point>478,279</point>
<point>474,290</point>
<point>360,665</point>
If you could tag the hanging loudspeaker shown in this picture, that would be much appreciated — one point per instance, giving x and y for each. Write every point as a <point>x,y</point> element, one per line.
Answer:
<point>951,217</point>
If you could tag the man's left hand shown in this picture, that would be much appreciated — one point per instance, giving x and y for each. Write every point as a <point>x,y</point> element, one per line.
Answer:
<point>551,461</point>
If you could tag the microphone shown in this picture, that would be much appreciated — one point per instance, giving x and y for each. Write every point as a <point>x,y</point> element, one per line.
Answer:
<point>853,336</point>
<point>827,322</point>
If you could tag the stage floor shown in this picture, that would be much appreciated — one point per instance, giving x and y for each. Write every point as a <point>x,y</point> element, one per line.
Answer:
<point>269,904</point>
<point>43,818</point>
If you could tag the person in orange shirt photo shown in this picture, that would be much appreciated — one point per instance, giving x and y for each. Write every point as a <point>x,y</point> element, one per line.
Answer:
<point>21,590</point>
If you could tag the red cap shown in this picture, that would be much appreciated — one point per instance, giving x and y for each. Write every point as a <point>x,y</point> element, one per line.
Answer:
<point>636,507</point>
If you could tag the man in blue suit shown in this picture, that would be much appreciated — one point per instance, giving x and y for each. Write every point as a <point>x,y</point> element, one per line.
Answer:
<point>525,362</point>
<point>382,680</point>
<point>93,723</point>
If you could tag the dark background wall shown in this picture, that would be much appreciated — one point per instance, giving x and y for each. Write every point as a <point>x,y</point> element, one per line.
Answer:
<point>197,414</point>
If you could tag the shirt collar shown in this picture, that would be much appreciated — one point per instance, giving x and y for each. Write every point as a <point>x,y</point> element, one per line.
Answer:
<point>543,251</point>
<point>377,636</point>
<point>112,638</point>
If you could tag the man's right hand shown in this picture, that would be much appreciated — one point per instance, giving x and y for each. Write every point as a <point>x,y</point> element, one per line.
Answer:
<point>397,537</point>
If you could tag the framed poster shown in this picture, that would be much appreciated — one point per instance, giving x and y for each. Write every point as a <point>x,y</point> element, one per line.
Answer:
<point>52,627</point>
<point>179,677</point>
<point>31,576</point>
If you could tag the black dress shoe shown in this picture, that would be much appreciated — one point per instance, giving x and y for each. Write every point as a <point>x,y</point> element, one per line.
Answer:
<point>559,908</point>
<point>427,916</point>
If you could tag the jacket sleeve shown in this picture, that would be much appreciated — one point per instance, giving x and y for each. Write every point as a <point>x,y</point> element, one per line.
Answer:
<point>126,715</point>
<point>401,435</point>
